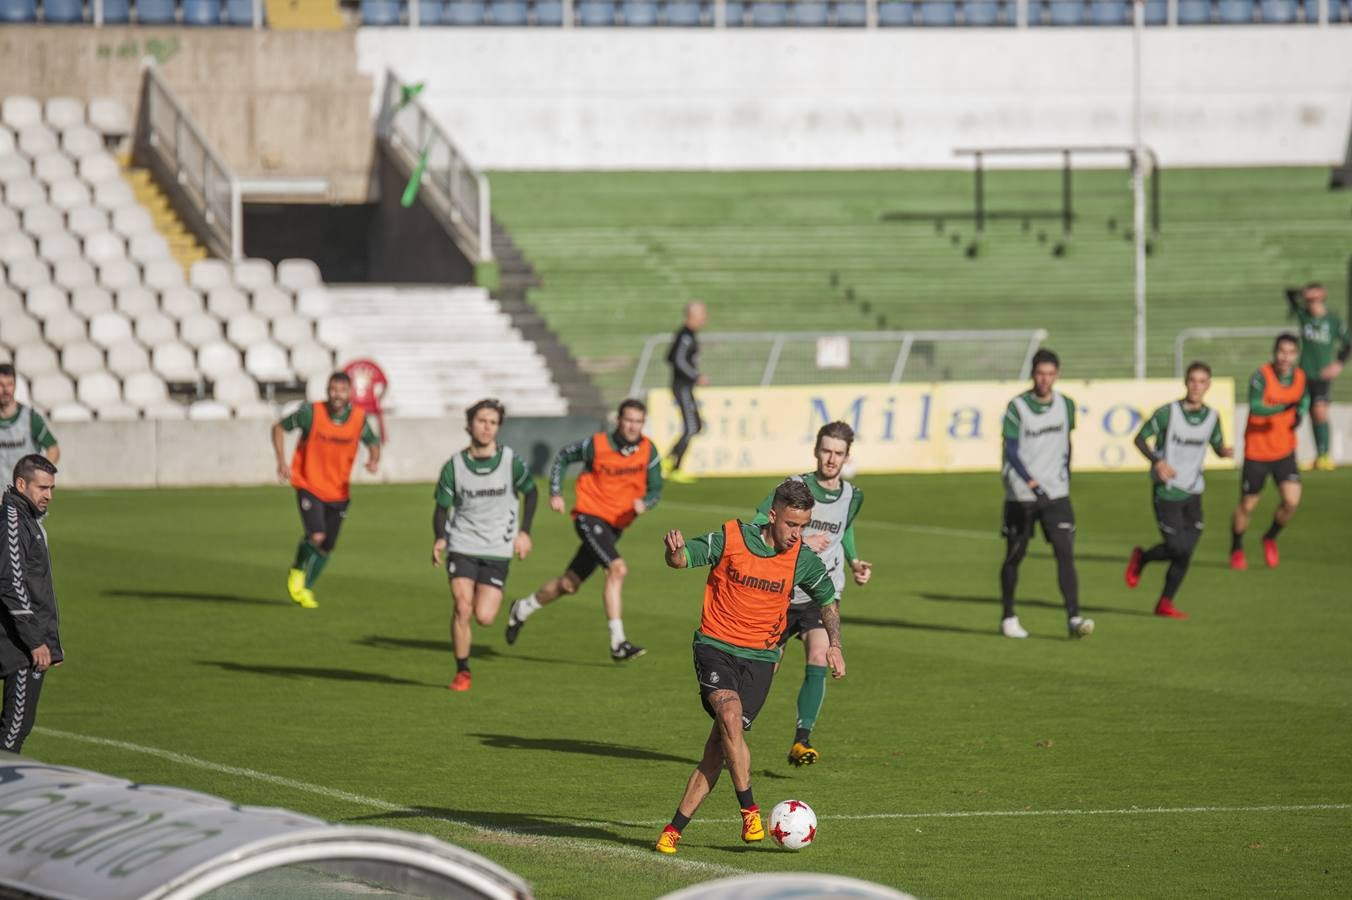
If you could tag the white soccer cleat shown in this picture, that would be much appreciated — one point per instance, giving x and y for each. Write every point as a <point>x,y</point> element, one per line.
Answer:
<point>1011,628</point>
<point>1080,626</point>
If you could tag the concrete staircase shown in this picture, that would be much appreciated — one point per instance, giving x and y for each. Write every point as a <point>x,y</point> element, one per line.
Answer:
<point>304,15</point>
<point>182,242</point>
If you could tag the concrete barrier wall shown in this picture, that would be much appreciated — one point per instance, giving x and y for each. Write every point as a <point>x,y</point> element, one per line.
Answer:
<point>186,454</point>
<point>821,98</point>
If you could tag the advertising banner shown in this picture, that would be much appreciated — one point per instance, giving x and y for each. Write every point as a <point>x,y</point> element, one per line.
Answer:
<point>945,427</point>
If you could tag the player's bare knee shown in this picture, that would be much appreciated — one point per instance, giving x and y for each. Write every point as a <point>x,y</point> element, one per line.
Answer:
<point>618,569</point>
<point>318,538</point>
<point>569,584</point>
<point>484,618</point>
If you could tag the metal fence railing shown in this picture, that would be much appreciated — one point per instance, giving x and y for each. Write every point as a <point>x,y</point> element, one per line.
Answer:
<point>850,357</point>
<point>206,183</point>
<point>457,191</point>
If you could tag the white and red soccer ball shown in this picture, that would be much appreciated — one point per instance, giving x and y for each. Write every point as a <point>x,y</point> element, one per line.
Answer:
<point>793,825</point>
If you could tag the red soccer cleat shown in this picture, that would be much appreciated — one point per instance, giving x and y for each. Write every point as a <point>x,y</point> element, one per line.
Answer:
<point>1238,562</point>
<point>1270,554</point>
<point>1134,568</point>
<point>1166,608</point>
<point>460,682</point>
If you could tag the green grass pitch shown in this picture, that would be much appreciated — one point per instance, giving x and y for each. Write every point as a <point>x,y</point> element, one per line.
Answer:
<point>1155,759</point>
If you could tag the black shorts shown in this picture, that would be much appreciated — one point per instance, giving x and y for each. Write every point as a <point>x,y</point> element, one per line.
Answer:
<point>598,546</point>
<point>320,517</point>
<point>1020,518</point>
<point>1319,390</point>
<point>492,572</point>
<point>801,618</point>
<point>1179,517</point>
<point>718,670</point>
<point>1255,473</point>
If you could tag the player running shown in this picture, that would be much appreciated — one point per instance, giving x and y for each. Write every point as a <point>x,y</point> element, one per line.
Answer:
<point>1277,401</point>
<point>482,482</point>
<point>685,376</point>
<point>621,479</point>
<point>1325,345</point>
<point>830,534</point>
<point>755,569</point>
<point>1182,430</point>
<point>321,472</point>
<point>1037,429</point>
<point>22,430</point>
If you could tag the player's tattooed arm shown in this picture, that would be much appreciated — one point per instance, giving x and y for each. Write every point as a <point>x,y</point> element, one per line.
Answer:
<point>835,658</point>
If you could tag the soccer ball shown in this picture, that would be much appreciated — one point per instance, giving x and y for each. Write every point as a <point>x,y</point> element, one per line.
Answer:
<point>793,824</point>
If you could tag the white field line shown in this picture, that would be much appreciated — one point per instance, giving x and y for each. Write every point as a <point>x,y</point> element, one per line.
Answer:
<point>596,847</point>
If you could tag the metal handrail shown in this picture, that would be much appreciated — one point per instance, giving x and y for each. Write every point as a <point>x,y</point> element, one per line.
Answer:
<point>461,192</point>
<point>206,180</point>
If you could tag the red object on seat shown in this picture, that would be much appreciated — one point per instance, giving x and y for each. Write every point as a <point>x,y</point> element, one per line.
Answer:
<point>368,387</point>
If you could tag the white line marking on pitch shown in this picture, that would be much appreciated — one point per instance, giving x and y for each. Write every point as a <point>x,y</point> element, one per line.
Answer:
<point>595,846</point>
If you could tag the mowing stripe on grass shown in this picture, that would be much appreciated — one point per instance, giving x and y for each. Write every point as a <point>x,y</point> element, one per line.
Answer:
<point>597,847</point>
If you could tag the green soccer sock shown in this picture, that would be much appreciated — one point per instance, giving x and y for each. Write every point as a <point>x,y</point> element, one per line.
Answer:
<point>304,550</point>
<point>1321,438</point>
<point>314,566</point>
<point>810,696</point>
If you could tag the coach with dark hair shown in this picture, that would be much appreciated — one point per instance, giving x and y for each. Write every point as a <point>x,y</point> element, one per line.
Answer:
<point>32,643</point>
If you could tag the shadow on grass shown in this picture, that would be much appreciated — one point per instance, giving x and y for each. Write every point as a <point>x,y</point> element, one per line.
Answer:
<point>316,672</point>
<point>584,747</point>
<point>192,596</point>
<point>916,626</point>
<point>994,603</point>
<point>525,824</point>
<point>480,651</point>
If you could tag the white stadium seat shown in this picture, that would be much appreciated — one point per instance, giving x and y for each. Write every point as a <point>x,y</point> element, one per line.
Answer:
<point>7,144</point>
<point>13,166</point>
<point>235,388</point>
<point>63,112</point>
<point>163,274</point>
<point>102,246</point>
<point>97,165</point>
<point>148,247</point>
<point>68,194</point>
<point>154,328</point>
<point>256,410</point>
<point>245,330</point>
<point>116,274</point>
<point>45,301</point>
<point>208,411</point>
<point>20,111</point>
<point>314,302</point>
<point>15,246</point>
<point>27,274</point>
<point>218,358</point>
<point>311,361</point>
<point>86,220</point>
<point>91,300</point>
<point>127,358</point>
<point>317,387</point>
<point>74,273</point>
<point>71,412</point>
<point>226,302</point>
<point>21,390</point>
<point>11,303</point>
<point>297,274</point>
<point>116,412</point>
<point>206,274</point>
<point>174,362</point>
<point>24,192</point>
<point>109,117</point>
<point>253,273</point>
<point>34,359</point>
<point>145,389</point>
<point>333,332</point>
<point>182,302</point>
<point>168,410</point>
<point>199,329</point>
<point>63,328</point>
<point>268,362</point>
<point>135,301</point>
<point>59,245</point>
<point>112,193</point>
<point>108,328</point>
<point>271,302</point>
<point>42,220</point>
<point>291,331</point>
<point>132,220</point>
<point>50,389</point>
<point>36,139</point>
<point>9,220</point>
<point>81,358</point>
<point>20,329</point>
<point>98,388</point>
<point>53,166</point>
<point>79,141</point>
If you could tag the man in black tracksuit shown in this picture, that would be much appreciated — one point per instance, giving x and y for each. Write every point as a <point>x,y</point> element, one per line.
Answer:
<point>31,643</point>
<point>684,359</point>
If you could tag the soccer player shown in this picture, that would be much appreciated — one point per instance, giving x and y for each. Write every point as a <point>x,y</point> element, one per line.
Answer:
<point>1277,401</point>
<point>621,479</point>
<point>1182,430</point>
<point>483,483</point>
<point>1325,345</point>
<point>1036,430</point>
<point>755,569</point>
<point>829,534</point>
<point>321,472</point>
<point>684,360</point>
<point>22,430</point>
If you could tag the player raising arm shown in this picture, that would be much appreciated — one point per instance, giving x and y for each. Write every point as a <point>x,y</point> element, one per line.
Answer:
<point>1325,345</point>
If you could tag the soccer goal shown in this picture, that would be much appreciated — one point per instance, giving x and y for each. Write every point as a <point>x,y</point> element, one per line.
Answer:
<point>1235,352</point>
<point>742,359</point>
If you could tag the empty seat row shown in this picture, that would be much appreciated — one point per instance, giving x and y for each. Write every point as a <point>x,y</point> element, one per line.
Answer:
<point>123,12</point>
<point>291,274</point>
<point>105,115</point>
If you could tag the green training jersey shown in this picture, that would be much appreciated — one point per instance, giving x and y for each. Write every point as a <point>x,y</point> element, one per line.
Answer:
<point>809,574</point>
<point>1157,427</point>
<point>304,417</point>
<point>833,515</point>
<point>1321,340</point>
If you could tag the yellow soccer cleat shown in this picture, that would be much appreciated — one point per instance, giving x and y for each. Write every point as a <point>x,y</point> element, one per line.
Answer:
<point>668,464</point>
<point>753,829</point>
<point>1324,463</point>
<point>668,841</point>
<point>306,599</point>
<point>295,583</point>
<point>680,476</point>
<point>803,754</point>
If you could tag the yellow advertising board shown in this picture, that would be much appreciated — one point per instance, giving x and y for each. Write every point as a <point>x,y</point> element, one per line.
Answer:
<point>945,427</point>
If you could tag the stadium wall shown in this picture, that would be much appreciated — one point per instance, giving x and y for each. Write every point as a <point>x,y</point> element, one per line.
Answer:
<point>782,98</point>
<point>146,454</point>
